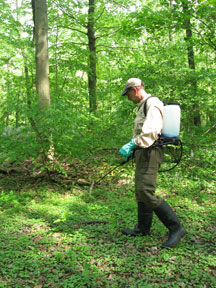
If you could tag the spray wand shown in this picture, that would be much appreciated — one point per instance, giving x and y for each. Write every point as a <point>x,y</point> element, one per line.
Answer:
<point>120,164</point>
<point>161,142</point>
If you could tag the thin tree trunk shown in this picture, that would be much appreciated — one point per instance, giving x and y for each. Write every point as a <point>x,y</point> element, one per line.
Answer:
<point>191,60</point>
<point>56,61</point>
<point>170,30</point>
<point>92,79</point>
<point>17,108</point>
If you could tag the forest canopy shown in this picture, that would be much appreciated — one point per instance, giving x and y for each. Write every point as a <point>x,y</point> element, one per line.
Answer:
<point>93,48</point>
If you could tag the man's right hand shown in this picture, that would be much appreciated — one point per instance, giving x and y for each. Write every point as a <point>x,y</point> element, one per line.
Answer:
<point>127,149</point>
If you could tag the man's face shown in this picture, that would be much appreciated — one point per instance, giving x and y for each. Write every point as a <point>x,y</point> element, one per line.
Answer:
<point>134,95</point>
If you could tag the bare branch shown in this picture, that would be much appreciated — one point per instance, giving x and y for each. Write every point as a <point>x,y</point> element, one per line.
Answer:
<point>72,29</point>
<point>108,34</point>
<point>99,16</point>
<point>76,20</point>
<point>91,188</point>
<point>206,25</point>
<point>118,4</point>
<point>76,43</point>
<point>107,27</point>
<point>119,47</point>
<point>214,126</point>
<point>69,14</point>
<point>208,42</point>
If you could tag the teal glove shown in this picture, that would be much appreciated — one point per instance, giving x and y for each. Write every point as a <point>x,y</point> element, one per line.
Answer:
<point>127,149</point>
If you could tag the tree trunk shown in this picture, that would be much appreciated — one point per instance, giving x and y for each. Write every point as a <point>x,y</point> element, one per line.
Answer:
<point>170,30</point>
<point>92,79</point>
<point>56,61</point>
<point>42,75</point>
<point>191,60</point>
<point>42,59</point>
<point>17,108</point>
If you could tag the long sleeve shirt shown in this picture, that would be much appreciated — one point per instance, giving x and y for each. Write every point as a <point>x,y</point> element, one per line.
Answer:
<point>148,128</point>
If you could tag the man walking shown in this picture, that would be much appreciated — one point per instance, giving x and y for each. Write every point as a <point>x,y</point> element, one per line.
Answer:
<point>147,129</point>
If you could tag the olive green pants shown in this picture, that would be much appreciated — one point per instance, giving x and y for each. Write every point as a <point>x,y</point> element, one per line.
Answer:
<point>147,165</point>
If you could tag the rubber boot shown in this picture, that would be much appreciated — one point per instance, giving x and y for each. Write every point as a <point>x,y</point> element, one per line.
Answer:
<point>144,222</point>
<point>168,217</point>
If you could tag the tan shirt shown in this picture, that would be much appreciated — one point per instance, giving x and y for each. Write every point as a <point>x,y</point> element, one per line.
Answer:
<point>147,129</point>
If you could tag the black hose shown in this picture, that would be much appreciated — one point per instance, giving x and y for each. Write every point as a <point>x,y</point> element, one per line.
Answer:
<point>120,164</point>
<point>173,141</point>
<point>177,163</point>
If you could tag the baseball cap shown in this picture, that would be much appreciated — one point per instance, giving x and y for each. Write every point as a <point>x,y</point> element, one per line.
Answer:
<point>132,82</point>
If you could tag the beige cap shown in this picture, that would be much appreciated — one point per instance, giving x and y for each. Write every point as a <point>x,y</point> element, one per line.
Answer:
<point>132,82</point>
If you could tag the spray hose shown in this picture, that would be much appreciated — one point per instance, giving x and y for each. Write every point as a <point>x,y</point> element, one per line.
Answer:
<point>160,142</point>
<point>120,164</point>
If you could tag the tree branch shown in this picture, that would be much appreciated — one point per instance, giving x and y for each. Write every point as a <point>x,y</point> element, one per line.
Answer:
<point>96,19</point>
<point>69,15</point>
<point>76,43</point>
<point>72,29</point>
<point>108,34</point>
<point>120,47</point>
<point>214,126</point>
<point>208,42</point>
<point>118,4</point>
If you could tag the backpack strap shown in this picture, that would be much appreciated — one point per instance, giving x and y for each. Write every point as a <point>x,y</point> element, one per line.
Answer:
<point>165,101</point>
<point>145,105</point>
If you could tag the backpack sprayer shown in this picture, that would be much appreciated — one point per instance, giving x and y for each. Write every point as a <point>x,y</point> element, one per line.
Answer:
<point>169,135</point>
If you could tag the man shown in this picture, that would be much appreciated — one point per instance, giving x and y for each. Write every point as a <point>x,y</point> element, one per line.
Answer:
<point>147,129</point>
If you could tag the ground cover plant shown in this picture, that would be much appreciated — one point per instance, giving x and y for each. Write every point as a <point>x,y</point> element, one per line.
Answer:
<point>60,234</point>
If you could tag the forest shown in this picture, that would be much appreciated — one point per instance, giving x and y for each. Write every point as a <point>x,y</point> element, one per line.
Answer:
<point>64,197</point>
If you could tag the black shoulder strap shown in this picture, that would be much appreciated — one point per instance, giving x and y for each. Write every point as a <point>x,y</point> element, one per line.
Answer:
<point>145,105</point>
<point>165,101</point>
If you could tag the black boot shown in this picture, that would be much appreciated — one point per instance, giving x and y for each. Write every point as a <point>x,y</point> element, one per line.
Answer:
<point>144,221</point>
<point>168,217</point>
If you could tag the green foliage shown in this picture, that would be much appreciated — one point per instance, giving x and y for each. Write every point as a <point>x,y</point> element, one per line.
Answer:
<point>50,236</point>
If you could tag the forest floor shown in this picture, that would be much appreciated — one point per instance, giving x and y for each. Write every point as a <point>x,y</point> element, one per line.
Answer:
<point>56,233</point>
